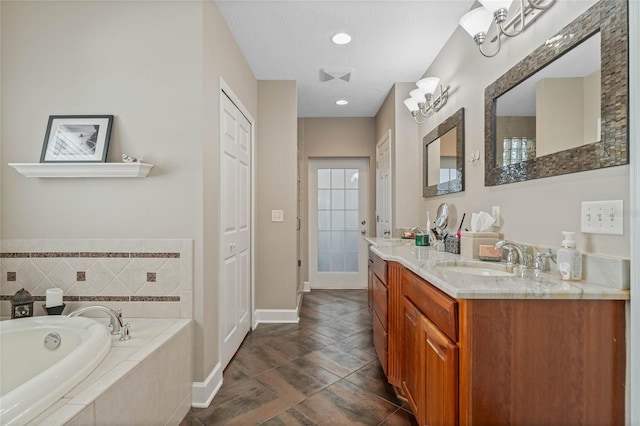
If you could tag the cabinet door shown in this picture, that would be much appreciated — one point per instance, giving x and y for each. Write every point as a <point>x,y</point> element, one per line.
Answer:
<point>441,378</point>
<point>380,342</point>
<point>370,285</point>
<point>412,357</point>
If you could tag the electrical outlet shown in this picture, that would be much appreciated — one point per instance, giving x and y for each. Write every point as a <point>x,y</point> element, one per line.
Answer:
<point>277,215</point>
<point>602,217</point>
<point>495,212</point>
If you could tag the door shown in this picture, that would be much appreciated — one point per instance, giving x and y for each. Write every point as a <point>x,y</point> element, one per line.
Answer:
<point>383,186</point>
<point>235,228</point>
<point>338,222</point>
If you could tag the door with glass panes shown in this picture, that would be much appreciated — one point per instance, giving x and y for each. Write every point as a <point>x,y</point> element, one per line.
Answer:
<point>338,222</point>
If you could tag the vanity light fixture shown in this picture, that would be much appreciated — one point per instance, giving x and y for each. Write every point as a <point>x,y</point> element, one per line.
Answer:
<point>342,102</point>
<point>477,22</point>
<point>341,38</point>
<point>422,101</point>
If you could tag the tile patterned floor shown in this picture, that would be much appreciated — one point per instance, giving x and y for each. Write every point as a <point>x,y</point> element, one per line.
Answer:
<point>321,371</point>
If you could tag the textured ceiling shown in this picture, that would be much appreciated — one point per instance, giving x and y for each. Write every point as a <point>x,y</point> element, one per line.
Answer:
<point>393,41</point>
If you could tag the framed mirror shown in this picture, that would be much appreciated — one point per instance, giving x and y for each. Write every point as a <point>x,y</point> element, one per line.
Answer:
<point>443,170</point>
<point>562,109</point>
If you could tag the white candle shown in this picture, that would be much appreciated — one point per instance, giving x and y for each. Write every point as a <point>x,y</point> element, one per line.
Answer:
<point>54,297</point>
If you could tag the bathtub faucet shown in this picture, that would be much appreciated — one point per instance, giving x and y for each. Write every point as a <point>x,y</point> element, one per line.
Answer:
<point>115,323</point>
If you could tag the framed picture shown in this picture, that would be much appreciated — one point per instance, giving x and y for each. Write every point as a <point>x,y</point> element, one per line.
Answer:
<point>77,138</point>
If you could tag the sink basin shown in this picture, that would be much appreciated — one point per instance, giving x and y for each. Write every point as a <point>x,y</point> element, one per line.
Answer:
<point>483,269</point>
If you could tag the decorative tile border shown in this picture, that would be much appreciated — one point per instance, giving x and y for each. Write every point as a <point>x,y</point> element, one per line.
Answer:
<point>57,254</point>
<point>105,298</point>
<point>102,271</point>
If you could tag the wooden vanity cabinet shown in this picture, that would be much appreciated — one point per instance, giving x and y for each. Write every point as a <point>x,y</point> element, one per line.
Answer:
<point>429,356</point>
<point>498,361</point>
<point>378,304</point>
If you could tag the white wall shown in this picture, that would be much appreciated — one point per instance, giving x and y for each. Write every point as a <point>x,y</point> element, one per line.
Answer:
<point>535,211</point>
<point>633,354</point>
<point>276,265</point>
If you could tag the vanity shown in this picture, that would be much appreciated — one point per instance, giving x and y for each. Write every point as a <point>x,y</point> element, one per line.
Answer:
<point>463,348</point>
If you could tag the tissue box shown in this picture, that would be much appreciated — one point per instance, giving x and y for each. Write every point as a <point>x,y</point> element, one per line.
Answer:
<point>470,242</point>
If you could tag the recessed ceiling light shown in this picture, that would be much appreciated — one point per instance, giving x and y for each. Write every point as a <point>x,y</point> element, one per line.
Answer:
<point>342,102</point>
<point>341,38</point>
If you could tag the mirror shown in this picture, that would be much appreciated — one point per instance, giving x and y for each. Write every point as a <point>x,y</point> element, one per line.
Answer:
<point>562,109</point>
<point>556,108</point>
<point>444,157</point>
<point>442,217</point>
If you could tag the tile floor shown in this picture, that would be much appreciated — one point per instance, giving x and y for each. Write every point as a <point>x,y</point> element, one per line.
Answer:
<point>323,370</point>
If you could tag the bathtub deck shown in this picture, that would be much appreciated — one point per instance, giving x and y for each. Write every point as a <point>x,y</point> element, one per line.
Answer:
<point>150,375</point>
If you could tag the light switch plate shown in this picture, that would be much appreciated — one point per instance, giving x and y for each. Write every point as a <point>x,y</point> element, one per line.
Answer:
<point>277,215</point>
<point>602,217</point>
<point>495,212</point>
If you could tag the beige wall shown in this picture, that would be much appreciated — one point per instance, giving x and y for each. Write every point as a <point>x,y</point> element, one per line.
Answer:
<point>156,66</point>
<point>276,151</point>
<point>221,58</point>
<point>591,106</point>
<point>338,137</point>
<point>534,211</point>
<point>406,156</point>
<point>559,114</point>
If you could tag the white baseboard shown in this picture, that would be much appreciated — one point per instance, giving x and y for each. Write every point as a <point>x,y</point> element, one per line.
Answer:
<point>334,286</point>
<point>307,287</point>
<point>275,316</point>
<point>202,393</point>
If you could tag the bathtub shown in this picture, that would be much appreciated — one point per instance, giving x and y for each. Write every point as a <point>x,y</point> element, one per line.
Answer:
<point>33,377</point>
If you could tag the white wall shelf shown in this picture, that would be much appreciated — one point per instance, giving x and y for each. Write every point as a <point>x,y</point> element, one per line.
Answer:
<point>82,170</point>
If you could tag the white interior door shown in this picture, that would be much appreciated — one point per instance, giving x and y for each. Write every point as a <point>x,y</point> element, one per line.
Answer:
<point>235,229</point>
<point>338,222</point>
<point>383,186</point>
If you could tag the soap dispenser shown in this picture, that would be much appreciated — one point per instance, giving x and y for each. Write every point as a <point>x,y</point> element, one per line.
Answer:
<point>569,259</point>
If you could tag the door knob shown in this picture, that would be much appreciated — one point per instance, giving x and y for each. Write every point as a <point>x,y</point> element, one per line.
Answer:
<point>363,232</point>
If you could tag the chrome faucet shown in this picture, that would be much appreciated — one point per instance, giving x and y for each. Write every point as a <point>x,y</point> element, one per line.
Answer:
<point>521,250</point>
<point>115,319</point>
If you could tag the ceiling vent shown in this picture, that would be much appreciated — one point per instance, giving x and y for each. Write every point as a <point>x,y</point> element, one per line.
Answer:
<point>327,74</point>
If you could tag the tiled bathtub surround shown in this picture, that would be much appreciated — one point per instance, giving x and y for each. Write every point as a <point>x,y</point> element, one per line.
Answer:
<point>132,385</point>
<point>143,277</point>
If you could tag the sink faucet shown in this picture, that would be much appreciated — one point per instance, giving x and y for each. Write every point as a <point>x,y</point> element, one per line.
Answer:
<point>115,323</point>
<point>521,250</point>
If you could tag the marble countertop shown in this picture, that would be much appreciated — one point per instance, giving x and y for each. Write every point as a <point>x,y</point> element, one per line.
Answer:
<point>423,262</point>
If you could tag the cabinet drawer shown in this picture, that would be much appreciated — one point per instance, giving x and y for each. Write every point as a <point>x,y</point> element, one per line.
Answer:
<point>441,309</point>
<point>379,296</point>
<point>379,267</point>
<point>380,342</point>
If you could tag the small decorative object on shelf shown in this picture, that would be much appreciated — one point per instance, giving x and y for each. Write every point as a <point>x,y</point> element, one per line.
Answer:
<point>21,304</point>
<point>128,159</point>
<point>77,139</point>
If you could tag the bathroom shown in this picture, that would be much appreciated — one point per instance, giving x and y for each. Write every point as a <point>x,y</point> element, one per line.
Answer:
<point>106,58</point>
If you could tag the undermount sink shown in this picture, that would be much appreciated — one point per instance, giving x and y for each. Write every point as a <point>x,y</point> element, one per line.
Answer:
<point>484,269</point>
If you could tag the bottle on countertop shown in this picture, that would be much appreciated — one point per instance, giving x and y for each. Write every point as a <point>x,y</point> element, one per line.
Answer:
<point>569,259</point>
